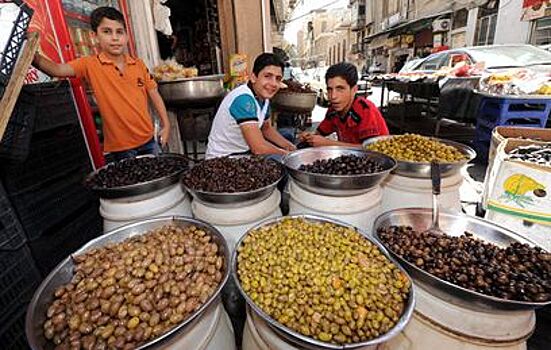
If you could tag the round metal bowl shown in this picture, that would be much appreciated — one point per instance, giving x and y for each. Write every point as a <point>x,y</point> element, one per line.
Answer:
<point>336,185</point>
<point>142,190</point>
<point>422,170</point>
<point>454,225</point>
<point>303,341</point>
<point>234,199</point>
<point>202,89</point>
<point>295,101</point>
<point>63,273</point>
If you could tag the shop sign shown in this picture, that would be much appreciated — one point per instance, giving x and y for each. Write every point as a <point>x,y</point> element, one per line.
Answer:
<point>407,40</point>
<point>534,9</point>
<point>393,42</point>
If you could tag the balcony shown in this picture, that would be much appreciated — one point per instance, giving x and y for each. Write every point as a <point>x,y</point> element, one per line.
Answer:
<point>359,23</point>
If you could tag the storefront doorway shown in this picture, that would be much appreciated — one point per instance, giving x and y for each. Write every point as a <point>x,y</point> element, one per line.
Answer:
<point>196,35</point>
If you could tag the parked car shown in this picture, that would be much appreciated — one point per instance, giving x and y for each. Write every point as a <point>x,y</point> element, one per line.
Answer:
<point>494,57</point>
<point>410,65</point>
<point>315,77</point>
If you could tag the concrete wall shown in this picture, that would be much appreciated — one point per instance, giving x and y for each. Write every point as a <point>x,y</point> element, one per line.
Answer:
<point>509,28</point>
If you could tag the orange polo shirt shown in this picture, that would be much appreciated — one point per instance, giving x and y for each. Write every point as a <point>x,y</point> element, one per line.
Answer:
<point>121,98</point>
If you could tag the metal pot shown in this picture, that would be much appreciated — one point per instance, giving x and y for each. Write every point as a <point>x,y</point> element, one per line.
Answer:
<point>295,101</point>
<point>305,342</point>
<point>336,185</point>
<point>454,225</point>
<point>63,273</point>
<point>421,170</point>
<point>203,89</point>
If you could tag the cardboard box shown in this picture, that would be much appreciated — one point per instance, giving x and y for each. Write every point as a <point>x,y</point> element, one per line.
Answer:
<point>520,189</point>
<point>502,133</point>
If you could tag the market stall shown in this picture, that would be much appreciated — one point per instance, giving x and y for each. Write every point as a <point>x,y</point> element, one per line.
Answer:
<point>192,102</point>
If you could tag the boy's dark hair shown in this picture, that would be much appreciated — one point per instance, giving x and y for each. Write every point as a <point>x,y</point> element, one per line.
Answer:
<point>344,70</point>
<point>105,12</point>
<point>265,60</point>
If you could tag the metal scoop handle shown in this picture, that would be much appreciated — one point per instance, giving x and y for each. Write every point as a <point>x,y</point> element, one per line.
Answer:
<point>436,181</point>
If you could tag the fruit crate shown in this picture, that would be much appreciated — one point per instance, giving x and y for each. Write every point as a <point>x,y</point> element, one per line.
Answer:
<point>19,277</point>
<point>53,154</point>
<point>11,232</point>
<point>12,332</point>
<point>16,141</point>
<point>41,209</point>
<point>55,106</point>
<point>15,42</point>
<point>59,242</point>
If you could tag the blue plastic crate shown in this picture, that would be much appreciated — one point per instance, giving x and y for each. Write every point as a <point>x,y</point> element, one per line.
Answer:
<point>498,111</point>
<point>508,111</point>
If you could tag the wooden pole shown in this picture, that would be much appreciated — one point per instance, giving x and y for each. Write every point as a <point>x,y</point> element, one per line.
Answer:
<point>11,93</point>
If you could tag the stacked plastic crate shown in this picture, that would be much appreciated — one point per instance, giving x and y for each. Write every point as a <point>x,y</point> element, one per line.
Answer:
<point>508,111</point>
<point>56,212</point>
<point>19,277</point>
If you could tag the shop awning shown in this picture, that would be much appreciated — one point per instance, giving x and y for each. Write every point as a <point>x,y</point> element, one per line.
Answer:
<point>411,26</point>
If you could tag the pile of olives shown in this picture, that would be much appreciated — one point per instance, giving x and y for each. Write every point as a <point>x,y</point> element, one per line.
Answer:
<point>518,272</point>
<point>417,148</point>
<point>227,174</point>
<point>295,86</point>
<point>323,280</point>
<point>538,154</point>
<point>126,294</point>
<point>136,170</point>
<point>343,165</point>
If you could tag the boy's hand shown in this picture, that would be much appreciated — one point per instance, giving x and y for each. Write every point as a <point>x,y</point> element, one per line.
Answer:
<point>317,140</point>
<point>303,136</point>
<point>165,136</point>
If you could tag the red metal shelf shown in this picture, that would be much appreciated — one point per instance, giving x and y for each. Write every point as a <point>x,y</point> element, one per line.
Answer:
<point>76,16</point>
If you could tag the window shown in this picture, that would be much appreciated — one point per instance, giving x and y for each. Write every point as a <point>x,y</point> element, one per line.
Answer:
<point>433,62</point>
<point>344,50</point>
<point>323,26</point>
<point>486,29</point>
<point>460,18</point>
<point>541,35</point>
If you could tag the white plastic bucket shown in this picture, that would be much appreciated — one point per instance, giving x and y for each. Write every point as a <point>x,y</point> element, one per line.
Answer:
<point>360,210</point>
<point>538,233</point>
<point>437,324</point>
<point>121,211</point>
<point>257,335</point>
<point>406,192</point>
<point>233,221</point>
<point>213,331</point>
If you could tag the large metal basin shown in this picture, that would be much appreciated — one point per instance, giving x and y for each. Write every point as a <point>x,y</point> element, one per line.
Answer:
<point>454,225</point>
<point>303,102</point>
<point>203,89</point>
<point>302,341</point>
<point>142,190</point>
<point>421,170</point>
<point>336,185</point>
<point>63,273</point>
<point>234,199</point>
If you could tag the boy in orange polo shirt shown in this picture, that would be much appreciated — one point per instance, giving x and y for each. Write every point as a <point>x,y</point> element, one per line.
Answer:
<point>121,84</point>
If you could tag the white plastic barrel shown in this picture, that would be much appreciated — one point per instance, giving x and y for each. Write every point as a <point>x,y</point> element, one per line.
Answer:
<point>121,211</point>
<point>257,335</point>
<point>233,221</point>
<point>407,192</point>
<point>359,210</point>
<point>437,324</point>
<point>213,331</point>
